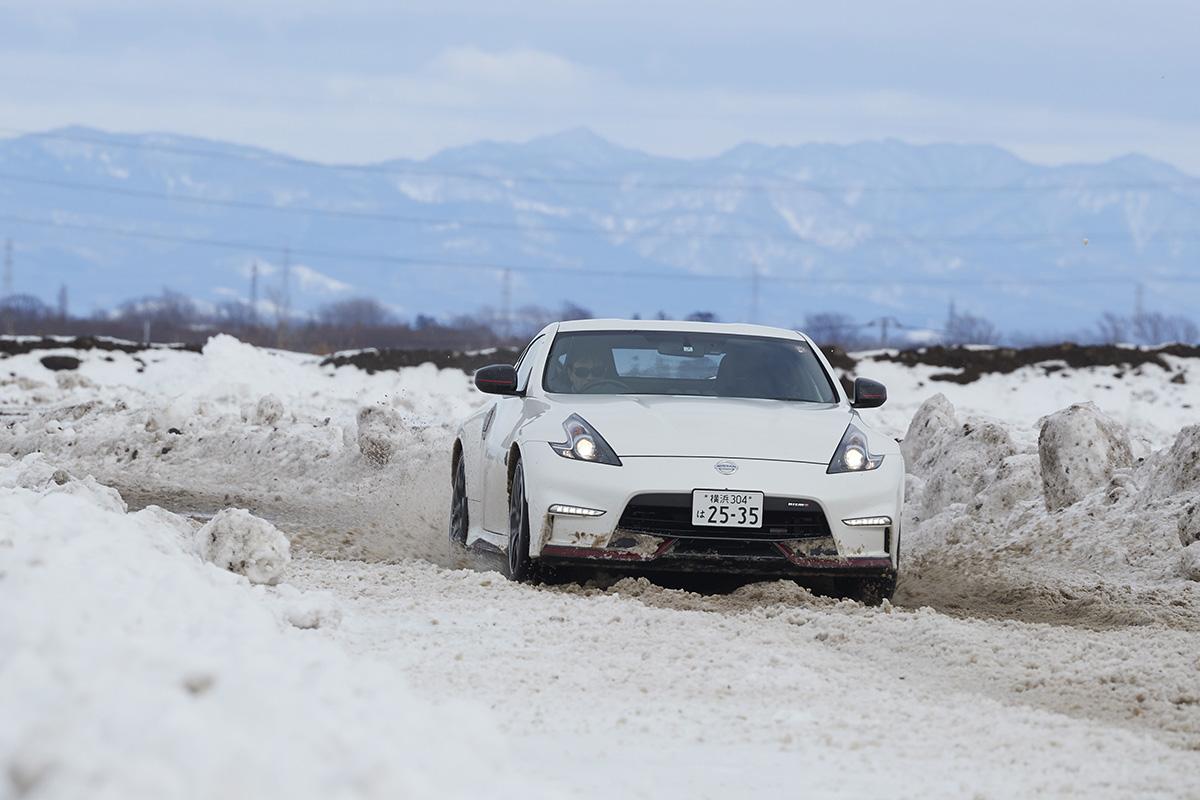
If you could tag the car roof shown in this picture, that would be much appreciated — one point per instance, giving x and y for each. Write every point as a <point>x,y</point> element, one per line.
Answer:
<point>675,325</point>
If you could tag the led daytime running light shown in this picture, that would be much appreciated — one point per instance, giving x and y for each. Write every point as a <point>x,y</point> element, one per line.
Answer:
<point>575,511</point>
<point>868,522</point>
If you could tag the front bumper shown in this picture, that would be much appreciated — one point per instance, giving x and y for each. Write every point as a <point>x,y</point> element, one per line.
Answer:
<point>841,549</point>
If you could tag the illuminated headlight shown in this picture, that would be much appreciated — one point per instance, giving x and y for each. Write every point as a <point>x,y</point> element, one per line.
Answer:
<point>853,453</point>
<point>868,522</point>
<point>854,458</point>
<point>574,511</point>
<point>584,443</point>
<point>586,448</point>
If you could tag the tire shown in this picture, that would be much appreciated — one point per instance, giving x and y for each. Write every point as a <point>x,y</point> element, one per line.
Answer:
<point>873,591</point>
<point>459,521</point>
<point>518,566</point>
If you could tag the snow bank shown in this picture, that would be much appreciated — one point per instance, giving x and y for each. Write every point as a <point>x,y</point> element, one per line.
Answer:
<point>1080,449</point>
<point>130,668</point>
<point>1075,508</point>
<point>271,431</point>
<point>957,460</point>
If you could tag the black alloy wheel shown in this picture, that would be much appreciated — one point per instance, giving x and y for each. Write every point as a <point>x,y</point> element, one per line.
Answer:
<point>459,522</point>
<point>519,566</point>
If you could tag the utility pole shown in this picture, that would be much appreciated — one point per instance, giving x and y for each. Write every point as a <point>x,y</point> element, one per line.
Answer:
<point>254,294</point>
<point>62,302</point>
<point>506,304</point>
<point>883,331</point>
<point>1139,308</point>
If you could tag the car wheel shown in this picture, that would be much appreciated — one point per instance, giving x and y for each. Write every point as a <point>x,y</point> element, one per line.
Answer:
<point>459,522</point>
<point>873,591</point>
<point>519,566</point>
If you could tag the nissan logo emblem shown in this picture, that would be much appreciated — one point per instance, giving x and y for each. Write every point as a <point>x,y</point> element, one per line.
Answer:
<point>725,467</point>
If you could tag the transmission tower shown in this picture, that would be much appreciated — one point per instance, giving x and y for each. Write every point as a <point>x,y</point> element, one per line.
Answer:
<point>8,268</point>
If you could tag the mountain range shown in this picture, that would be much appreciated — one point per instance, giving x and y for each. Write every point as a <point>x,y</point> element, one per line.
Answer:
<point>769,233</point>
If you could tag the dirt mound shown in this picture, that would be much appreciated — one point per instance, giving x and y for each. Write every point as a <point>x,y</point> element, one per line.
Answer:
<point>13,346</point>
<point>372,361</point>
<point>974,363</point>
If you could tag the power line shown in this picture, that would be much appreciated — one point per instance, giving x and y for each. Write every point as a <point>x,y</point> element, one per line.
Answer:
<point>580,272</point>
<point>772,184</point>
<point>214,202</point>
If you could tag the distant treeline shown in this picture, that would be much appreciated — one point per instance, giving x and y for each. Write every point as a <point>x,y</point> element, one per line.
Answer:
<point>363,322</point>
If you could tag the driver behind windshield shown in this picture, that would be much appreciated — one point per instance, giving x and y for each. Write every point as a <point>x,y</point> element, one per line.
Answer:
<point>586,367</point>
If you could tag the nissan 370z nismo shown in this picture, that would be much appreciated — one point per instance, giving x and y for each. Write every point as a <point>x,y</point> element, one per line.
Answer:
<point>679,446</point>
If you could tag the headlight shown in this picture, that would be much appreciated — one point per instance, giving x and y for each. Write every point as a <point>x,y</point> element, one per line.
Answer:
<point>853,453</point>
<point>584,443</point>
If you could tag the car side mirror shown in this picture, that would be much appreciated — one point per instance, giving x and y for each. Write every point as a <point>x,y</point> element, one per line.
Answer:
<point>497,379</point>
<point>868,393</point>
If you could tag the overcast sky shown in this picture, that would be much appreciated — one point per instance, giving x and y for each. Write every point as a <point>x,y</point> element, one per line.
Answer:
<point>358,81</point>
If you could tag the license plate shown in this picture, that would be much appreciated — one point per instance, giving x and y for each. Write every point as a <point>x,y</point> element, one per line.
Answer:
<point>727,509</point>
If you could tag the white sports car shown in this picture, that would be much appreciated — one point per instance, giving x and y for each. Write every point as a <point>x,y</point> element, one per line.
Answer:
<point>679,446</point>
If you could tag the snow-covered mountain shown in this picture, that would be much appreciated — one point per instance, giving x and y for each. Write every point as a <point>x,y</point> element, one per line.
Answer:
<point>868,229</point>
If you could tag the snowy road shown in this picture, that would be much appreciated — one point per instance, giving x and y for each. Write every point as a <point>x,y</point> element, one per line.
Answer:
<point>1028,653</point>
<point>639,688</point>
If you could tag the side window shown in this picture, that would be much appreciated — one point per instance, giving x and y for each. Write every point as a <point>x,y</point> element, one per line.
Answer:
<point>526,360</point>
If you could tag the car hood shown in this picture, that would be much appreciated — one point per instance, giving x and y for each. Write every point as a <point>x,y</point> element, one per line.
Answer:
<point>650,425</point>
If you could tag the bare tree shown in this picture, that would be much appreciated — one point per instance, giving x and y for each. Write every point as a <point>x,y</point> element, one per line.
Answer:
<point>969,329</point>
<point>528,320</point>
<point>702,316</point>
<point>357,312</point>
<point>1156,328</point>
<point>571,310</point>
<point>22,312</point>
<point>169,308</point>
<point>1112,328</point>
<point>236,313</point>
<point>831,328</point>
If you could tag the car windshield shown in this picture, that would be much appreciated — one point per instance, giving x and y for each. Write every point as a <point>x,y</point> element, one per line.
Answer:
<point>685,363</point>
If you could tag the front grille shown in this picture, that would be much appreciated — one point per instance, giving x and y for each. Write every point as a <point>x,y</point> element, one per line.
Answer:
<point>761,550</point>
<point>671,515</point>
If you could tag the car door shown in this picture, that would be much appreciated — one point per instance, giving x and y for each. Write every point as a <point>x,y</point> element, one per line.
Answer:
<point>499,428</point>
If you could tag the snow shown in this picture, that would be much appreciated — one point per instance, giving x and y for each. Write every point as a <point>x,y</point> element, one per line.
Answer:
<point>1020,521</point>
<point>240,542</point>
<point>130,668</point>
<point>1029,652</point>
<point>380,433</point>
<point>1080,449</point>
<point>1144,400</point>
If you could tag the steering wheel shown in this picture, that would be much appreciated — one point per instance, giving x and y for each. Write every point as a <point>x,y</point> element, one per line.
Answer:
<point>590,388</point>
